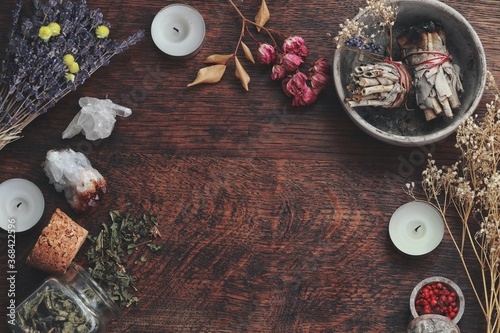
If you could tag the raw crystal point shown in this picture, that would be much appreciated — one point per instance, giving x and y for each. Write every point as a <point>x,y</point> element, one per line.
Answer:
<point>72,173</point>
<point>96,119</point>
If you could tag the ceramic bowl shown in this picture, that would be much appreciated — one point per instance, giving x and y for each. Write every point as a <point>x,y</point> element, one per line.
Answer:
<point>404,127</point>
<point>449,284</point>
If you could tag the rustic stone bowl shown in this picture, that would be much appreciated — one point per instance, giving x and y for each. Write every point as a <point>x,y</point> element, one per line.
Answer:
<point>404,127</point>
<point>450,285</point>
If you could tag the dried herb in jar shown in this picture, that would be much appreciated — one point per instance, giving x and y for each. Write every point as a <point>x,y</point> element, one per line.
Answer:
<point>107,256</point>
<point>53,310</point>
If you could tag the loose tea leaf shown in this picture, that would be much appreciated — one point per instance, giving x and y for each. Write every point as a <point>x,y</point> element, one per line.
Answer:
<point>107,257</point>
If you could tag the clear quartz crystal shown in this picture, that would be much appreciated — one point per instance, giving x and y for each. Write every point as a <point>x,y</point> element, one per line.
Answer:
<point>96,118</point>
<point>73,173</point>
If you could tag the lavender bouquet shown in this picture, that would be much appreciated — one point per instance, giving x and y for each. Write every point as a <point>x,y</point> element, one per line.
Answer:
<point>48,55</point>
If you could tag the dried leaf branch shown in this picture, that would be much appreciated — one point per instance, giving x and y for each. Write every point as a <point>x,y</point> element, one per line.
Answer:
<point>285,59</point>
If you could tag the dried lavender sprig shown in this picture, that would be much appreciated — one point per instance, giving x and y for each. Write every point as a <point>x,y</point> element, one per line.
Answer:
<point>34,73</point>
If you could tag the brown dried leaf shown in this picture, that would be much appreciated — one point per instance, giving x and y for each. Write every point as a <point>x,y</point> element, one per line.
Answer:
<point>241,74</point>
<point>218,59</point>
<point>248,53</point>
<point>210,74</point>
<point>262,16</point>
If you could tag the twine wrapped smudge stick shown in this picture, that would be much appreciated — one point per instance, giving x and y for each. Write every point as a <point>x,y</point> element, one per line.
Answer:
<point>386,84</point>
<point>433,77</point>
<point>436,79</point>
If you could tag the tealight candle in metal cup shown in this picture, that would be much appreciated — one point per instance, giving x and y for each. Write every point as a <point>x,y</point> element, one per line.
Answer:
<point>416,228</point>
<point>21,205</point>
<point>178,30</point>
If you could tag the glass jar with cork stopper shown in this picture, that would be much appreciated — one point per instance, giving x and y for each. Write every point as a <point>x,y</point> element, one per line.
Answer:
<point>72,302</point>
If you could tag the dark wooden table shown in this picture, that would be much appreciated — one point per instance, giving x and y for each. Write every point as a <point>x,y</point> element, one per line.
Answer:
<point>274,218</point>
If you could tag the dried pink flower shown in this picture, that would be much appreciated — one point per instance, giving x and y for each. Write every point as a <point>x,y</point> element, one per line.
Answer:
<point>278,72</point>
<point>267,54</point>
<point>292,85</point>
<point>298,88</point>
<point>307,96</point>
<point>321,66</point>
<point>295,45</point>
<point>319,82</point>
<point>291,62</point>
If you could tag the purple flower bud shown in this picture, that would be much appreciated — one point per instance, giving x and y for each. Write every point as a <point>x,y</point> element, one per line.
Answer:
<point>291,62</point>
<point>267,54</point>
<point>295,45</point>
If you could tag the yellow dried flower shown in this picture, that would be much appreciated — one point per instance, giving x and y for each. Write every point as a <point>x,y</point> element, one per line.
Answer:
<point>55,28</point>
<point>68,59</point>
<point>102,31</point>
<point>45,33</point>
<point>73,67</point>
<point>70,77</point>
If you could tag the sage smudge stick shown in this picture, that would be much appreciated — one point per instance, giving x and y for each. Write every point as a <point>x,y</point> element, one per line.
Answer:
<point>436,78</point>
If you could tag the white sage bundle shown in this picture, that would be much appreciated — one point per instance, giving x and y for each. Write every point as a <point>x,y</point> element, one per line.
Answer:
<point>436,79</point>
<point>384,84</point>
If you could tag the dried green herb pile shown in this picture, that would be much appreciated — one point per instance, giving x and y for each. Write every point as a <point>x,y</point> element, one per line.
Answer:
<point>112,247</point>
<point>52,310</point>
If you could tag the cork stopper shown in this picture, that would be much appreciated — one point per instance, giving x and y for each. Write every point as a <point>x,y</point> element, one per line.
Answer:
<point>57,245</point>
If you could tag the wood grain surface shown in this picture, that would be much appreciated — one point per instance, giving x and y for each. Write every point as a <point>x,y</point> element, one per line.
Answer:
<point>274,218</point>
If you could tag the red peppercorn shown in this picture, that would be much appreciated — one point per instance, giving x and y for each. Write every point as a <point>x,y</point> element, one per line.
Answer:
<point>435,298</point>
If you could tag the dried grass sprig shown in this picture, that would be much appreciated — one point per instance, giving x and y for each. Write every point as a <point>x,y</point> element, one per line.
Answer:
<point>471,187</point>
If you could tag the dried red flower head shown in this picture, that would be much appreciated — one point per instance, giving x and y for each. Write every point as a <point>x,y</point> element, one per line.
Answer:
<point>321,66</point>
<point>267,54</point>
<point>278,72</point>
<point>319,82</point>
<point>298,88</point>
<point>295,45</point>
<point>291,62</point>
<point>292,85</point>
<point>307,96</point>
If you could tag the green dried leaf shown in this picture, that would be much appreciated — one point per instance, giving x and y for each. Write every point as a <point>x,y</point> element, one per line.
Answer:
<point>108,255</point>
<point>210,74</point>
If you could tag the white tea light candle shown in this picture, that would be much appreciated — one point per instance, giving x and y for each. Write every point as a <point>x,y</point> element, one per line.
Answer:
<point>416,228</point>
<point>21,204</point>
<point>178,30</point>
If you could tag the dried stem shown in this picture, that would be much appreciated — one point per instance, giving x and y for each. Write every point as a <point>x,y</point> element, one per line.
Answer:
<point>472,187</point>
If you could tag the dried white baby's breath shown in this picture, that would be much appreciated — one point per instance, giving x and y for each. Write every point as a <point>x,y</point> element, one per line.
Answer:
<point>472,187</point>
